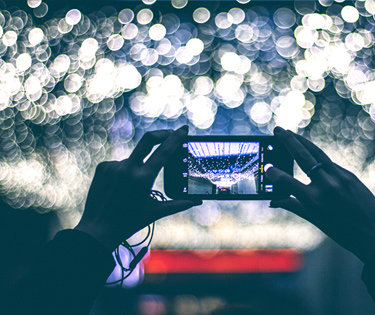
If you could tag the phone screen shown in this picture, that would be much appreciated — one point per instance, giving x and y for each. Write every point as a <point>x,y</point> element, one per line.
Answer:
<point>226,169</point>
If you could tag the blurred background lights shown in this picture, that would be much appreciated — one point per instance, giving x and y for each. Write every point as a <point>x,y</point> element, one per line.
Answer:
<point>230,61</point>
<point>115,42</point>
<point>370,6</point>
<point>195,46</point>
<point>23,62</point>
<point>129,31</point>
<point>34,3</point>
<point>9,38</point>
<point>144,16</point>
<point>236,16</point>
<point>157,32</point>
<point>73,17</point>
<point>81,86</point>
<point>284,18</point>
<point>148,2</point>
<point>179,4</point>
<point>349,14</point>
<point>125,16</point>
<point>201,15</point>
<point>261,113</point>
<point>35,36</point>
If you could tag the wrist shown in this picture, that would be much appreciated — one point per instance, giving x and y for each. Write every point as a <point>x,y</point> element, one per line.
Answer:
<point>367,252</point>
<point>99,235</point>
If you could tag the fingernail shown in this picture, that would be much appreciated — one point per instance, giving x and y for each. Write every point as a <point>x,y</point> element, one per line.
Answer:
<point>278,130</point>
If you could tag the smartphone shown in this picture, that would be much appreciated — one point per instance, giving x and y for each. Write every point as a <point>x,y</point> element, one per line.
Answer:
<point>225,168</point>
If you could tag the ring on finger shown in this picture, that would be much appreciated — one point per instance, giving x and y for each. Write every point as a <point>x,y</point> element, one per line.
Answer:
<point>313,169</point>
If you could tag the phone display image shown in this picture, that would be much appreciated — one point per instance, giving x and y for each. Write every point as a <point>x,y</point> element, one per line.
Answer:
<point>223,167</point>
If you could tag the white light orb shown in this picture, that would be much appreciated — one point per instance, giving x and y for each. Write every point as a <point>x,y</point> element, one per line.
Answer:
<point>23,62</point>
<point>145,16</point>
<point>115,42</point>
<point>201,15</point>
<point>36,35</point>
<point>349,14</point>
<point>9,38</point>
<point>195,46</point>
<point>179,4</point>
<point>157,32</point>
<point>73,17</point>
<point>230,61</point>
<point>34,3</point>
<point>126,16</point>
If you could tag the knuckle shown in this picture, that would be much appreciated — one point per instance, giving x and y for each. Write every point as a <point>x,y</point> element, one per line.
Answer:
<point>333,187</point>
<point>286,136</point>
<point>102,166</point>
<point>148,135</point>
<point>305,155</point>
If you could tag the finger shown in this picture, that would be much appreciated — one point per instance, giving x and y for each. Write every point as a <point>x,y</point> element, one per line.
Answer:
<point>148,141</point>
<point>174,206</point>
<point>298,151</point>
<point>319,155</point>
<point>315,151</point>
<point>162,154</point>
<point>292,205</point>
<point>287,183</point>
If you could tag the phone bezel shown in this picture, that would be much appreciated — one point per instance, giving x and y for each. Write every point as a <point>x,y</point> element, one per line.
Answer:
<point>174,181</point>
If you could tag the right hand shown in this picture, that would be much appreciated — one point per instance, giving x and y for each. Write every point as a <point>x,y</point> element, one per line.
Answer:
<point>336,201</point>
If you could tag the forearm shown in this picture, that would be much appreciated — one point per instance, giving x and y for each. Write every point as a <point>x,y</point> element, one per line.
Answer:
<point>66,278</point>
<point>368,277</point>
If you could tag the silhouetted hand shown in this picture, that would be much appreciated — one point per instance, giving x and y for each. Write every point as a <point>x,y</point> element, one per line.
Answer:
<point>119,203</point>
<point>336,201</point>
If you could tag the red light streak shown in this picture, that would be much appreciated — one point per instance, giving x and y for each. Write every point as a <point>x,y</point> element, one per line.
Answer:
<point>224,261</point>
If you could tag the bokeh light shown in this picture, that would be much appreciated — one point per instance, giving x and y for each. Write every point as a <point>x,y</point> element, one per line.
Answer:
<point>81,85</point>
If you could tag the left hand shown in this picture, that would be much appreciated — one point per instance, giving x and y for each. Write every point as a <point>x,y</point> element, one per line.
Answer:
<point>119,203</point>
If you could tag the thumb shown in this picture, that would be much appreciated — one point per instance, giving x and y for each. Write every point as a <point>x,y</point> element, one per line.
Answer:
<point>174,206</point>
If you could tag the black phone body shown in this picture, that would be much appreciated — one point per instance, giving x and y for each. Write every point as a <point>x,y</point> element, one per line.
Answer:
<point>225,168</point>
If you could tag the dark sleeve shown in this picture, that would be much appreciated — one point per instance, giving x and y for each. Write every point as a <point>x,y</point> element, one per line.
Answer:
<point>66,277</point>
<point>368,277</point>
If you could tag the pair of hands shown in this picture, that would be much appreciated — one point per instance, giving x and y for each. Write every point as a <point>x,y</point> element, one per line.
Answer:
<point>336,201</point>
